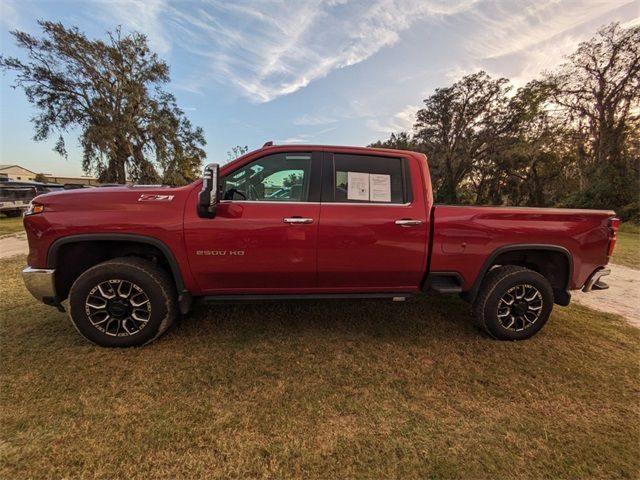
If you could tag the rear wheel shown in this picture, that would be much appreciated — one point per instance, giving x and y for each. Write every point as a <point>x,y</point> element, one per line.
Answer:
<point>123,302</point>
<point>513,303</point>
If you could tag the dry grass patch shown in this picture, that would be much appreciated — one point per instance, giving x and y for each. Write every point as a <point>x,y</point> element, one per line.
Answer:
<point>324,390</point>
<point>627,250</point>
<point>10,225</point>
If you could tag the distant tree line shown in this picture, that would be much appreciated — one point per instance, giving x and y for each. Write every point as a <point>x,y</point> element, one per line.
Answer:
<point>570,138</point>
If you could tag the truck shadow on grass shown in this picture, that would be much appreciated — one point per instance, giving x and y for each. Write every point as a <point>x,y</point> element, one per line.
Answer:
<point>433,316</point>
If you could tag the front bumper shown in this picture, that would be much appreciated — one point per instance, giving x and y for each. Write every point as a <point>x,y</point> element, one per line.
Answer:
<point>594,282</point>
<point>41,284</point>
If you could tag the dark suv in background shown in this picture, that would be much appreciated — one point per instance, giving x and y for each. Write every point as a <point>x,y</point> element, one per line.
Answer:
<point>15,196</point>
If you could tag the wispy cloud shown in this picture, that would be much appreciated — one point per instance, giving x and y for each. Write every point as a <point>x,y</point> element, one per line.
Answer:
<point>9,14</point>
<point>274,48</point>
<point>514,40</point>
<point>311,119</point>
<point>305,137</point>
<point>533,35</point>
<point>509,28</point>
<point>399,121</point>
<point>144,16</point>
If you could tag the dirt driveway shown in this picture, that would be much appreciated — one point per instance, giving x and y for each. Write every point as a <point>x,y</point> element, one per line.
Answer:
<point>11,245</point>
<point>621,298</point>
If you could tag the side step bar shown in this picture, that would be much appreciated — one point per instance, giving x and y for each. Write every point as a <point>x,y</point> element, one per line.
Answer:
<point>396,297</point>
<point>444,282</point>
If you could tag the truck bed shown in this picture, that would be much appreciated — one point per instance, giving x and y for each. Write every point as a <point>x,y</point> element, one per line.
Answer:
<point>466,239</point>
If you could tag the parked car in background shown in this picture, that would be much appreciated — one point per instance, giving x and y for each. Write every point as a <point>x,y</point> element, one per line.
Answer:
<point>15,196</point>
<point>351,223</point>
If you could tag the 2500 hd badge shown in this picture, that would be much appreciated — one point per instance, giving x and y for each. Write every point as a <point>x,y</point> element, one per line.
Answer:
<point>220,253</point>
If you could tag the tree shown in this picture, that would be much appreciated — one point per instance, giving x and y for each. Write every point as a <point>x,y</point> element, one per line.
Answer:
<point>399,141</point>
<point>531,163</point>
<point>456,126</point>
<point>40,177</point>
<point>291,180</point>
<point>236,152</point>
<point>110,90</point>
<point>598,89</point>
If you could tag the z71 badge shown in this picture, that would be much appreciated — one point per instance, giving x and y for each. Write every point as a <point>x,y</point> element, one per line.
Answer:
<point>150,197</point>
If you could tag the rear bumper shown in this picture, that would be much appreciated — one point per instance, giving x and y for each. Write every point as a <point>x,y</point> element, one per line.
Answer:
<point>594,282</point>
<point>40,283</point>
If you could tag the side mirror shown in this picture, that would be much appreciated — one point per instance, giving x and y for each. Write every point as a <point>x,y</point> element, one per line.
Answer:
<point>208,196</point>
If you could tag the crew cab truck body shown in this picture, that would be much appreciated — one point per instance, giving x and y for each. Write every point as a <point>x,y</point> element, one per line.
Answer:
<point>303,222</point>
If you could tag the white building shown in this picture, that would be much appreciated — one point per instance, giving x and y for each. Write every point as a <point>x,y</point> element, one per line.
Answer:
<point>16,173</point>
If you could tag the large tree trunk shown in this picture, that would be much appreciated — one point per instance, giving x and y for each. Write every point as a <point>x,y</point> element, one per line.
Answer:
<point>116,171</point>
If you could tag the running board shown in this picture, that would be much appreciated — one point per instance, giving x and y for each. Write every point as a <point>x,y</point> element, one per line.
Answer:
<point>444,282</point>
<point>396,297</point>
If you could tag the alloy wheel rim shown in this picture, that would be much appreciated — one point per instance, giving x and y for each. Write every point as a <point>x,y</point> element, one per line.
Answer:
<point>118,308</point>
<point>520,307</point>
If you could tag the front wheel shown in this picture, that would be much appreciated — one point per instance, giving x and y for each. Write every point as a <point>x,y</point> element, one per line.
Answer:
<point>123,302</point>
<point>513,303</point>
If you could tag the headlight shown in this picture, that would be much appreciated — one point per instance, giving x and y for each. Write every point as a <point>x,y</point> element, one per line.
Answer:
<point>34,208</point>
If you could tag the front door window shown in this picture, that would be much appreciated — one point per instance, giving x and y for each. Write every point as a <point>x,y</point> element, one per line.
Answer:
<point>281,177</point>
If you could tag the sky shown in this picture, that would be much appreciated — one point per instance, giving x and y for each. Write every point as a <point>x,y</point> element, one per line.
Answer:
<point>335,72</point>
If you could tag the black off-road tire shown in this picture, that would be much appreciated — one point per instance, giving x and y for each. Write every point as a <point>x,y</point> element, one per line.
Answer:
<point>495,286</point>
<point>156,285</point>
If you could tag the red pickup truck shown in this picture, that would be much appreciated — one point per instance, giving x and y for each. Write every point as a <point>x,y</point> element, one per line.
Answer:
<point>291,222</point>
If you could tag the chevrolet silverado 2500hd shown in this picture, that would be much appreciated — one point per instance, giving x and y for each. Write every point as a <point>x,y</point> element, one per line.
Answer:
<point>288,222</point>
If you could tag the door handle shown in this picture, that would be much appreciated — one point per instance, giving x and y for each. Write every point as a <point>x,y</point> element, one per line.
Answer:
<point>297,220</point>
<point>406,222</point>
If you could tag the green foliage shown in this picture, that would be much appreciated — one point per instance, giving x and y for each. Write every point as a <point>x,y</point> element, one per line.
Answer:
<point>111,91</point>
<point>40,178</point>
<point>399,141</point>
<point>571,138</point>
<point>291,180</point>
<point>236,152</point>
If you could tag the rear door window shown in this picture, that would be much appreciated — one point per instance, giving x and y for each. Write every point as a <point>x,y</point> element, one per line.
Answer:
<point>368,179</point>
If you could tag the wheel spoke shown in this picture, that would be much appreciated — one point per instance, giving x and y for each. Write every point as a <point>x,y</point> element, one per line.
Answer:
<point>124,325</point>
<point>513,320</point>
<point>142,300</point>
<point>126,291</point>
<point>98,322</point>
<point>97,306</point>
<point>108,295</point>
<point>135,316</point>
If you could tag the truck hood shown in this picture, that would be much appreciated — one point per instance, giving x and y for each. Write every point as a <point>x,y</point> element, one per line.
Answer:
<point>100,198</point>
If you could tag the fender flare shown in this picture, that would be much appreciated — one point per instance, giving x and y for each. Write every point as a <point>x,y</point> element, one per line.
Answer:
<point>471,294</point>
<point>52,255</point>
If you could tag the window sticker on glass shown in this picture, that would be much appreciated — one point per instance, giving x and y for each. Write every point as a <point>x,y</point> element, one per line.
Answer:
<point>358,186</point>
<point>380,188</point>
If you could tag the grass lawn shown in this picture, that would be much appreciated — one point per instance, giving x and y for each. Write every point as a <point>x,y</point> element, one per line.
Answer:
<point>627,251</point>
<point>318,390</point>
<point>10,225</point>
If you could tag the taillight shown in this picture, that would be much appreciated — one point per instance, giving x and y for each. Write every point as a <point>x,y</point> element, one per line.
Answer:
<point>614,223</point>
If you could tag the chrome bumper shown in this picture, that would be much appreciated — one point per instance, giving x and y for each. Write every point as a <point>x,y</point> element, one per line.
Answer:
<point>593,283</point>
<point>40,283</point>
